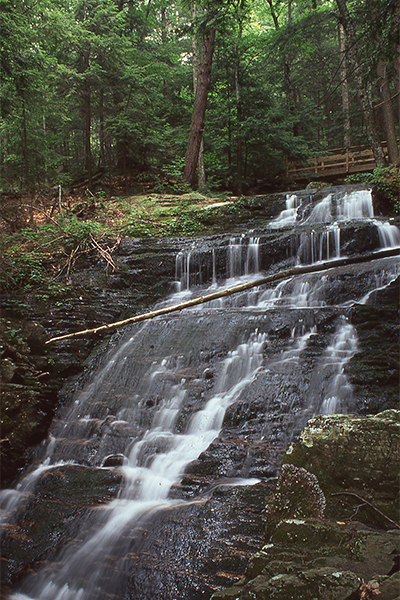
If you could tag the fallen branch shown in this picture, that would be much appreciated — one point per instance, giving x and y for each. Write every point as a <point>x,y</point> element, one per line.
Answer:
<point>68,264</point>
<point>103,253</point>
<point>396,525</point>
<point>234,290</point>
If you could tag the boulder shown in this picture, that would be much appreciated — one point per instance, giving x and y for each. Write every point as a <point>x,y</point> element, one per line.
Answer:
<point>8,369</point>
<point>353,456</point>
<point>35,335</point>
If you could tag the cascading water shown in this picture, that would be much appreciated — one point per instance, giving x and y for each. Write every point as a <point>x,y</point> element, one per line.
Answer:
<point>333,211</point>
<point>289,215</point>
<point>159,401</point>
<point>153,464</point>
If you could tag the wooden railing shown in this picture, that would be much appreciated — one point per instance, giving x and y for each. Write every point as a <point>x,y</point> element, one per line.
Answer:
<point>336,162</point>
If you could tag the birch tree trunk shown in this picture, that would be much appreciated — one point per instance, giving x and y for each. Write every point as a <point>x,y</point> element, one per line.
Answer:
<point>292,272</point>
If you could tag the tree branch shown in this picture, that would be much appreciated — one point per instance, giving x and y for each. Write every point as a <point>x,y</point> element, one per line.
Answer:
<point>396,525</point>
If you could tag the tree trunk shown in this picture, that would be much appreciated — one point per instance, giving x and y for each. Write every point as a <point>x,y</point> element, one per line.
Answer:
<point>388,115</point>
<point>290,92</point>
<point>345,89</point>
<point>164,25</point>
<point>88,119</point>
<point>327,105</point>
<point>229,120</point>
<point>273,14</point>
<point>25,144</point>
<point>396,65</point>
<point>362,92</point>
<point>201,171</point>
<point>102,153</point>
<point>199,106</point>
<point>239,153</point>
<point>397,87</point>
<point>289,88</point>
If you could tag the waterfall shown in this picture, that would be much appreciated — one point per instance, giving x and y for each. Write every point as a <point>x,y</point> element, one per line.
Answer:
<point>235,379</point>
<point>288,216</point>
<point>182,271</point>
<point>242,259</point>
<point>354,206</point>
<point>333,386</point>
<point>319,246</point>
<point>334,211</point>
<point>389,235</point>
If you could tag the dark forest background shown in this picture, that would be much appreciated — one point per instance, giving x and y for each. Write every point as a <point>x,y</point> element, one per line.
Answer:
<point>92,88</point>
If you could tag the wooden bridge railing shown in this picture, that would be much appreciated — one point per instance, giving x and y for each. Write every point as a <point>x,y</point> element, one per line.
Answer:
<point>338,162</point>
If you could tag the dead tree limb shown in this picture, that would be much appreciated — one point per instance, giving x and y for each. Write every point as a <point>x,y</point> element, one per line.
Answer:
<point>103,253</point>
<point>293,272</point>
<point>365,502</point>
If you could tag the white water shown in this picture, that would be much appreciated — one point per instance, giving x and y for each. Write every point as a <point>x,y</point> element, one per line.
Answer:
<point>389,234</point>
<point>334,386</point>
<point>242,259</point>
<point>332,211</point>
<point>288,216</point>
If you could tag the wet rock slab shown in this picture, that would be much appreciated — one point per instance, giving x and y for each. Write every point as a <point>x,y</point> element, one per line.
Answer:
<point>28,394</point>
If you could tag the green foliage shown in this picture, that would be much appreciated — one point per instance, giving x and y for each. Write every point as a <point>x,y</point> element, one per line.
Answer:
<point>24,269</point>
<point>79,233</point>
<point>186,223</point>
<point>173,172</point>
<point>137,228</point>
<point>119,75</point>
<point>28,256</point>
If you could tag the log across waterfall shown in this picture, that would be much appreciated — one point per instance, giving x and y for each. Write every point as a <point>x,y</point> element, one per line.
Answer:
<point>185,419</point>
<point>209,297</point>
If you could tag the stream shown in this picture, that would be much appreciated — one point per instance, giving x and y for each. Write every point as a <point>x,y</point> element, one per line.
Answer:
<point>184,419</point>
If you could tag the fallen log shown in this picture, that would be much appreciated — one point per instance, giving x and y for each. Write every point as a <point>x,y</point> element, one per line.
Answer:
<point>292,272</point>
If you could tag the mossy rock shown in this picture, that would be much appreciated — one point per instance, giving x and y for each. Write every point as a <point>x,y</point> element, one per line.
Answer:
<point>310,558</point>
<point>354,457</point>
<point>328,584</point>
<point>297,495</point>
<point>341,466</point>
